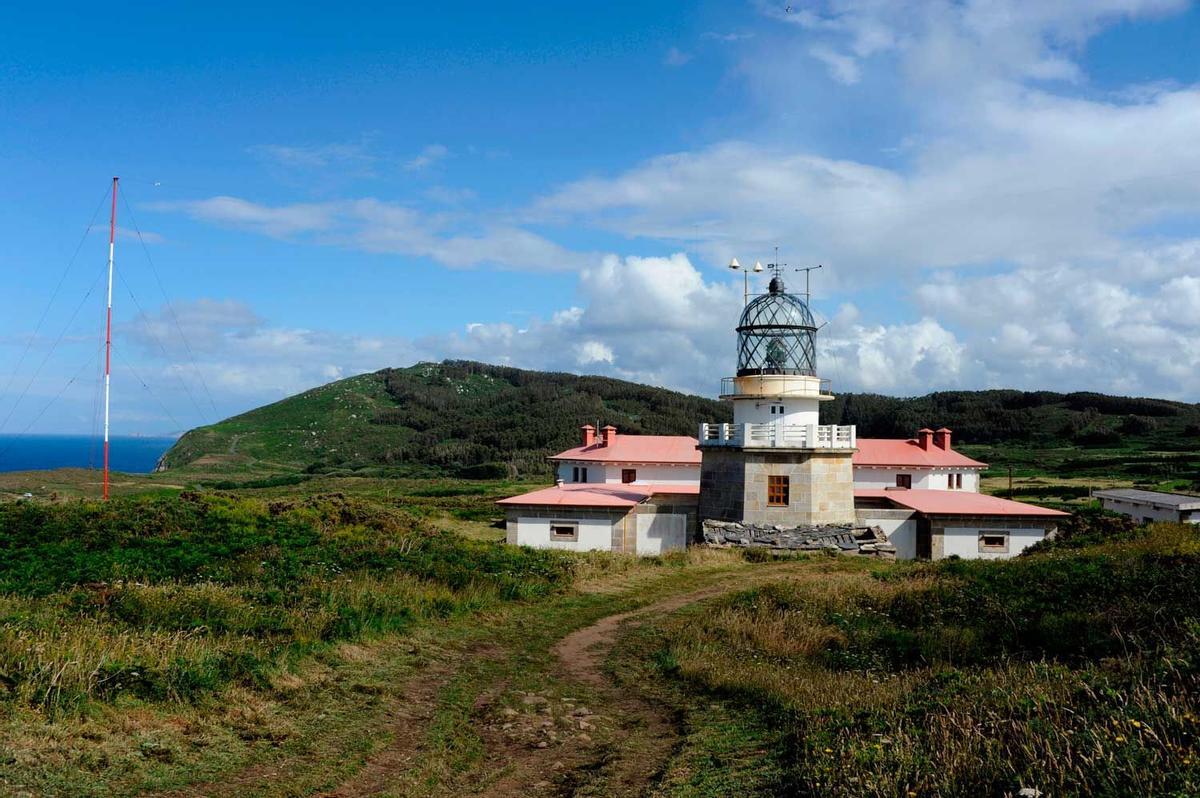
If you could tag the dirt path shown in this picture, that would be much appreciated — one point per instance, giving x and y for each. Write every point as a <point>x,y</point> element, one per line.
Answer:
<point>582,735</point>
<point>631,738</point>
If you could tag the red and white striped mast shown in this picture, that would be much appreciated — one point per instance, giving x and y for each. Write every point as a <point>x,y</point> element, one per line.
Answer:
<point>112,237</point>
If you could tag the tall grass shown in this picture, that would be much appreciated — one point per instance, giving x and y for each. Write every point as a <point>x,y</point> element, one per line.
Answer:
<point>171,599</point>
<point>1074,672</point>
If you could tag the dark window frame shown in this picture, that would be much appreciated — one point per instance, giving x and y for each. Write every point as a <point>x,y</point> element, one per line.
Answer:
<point>628,475</point>
<point>779,490</point>
<point>994,547</point>
<point>571,536</point>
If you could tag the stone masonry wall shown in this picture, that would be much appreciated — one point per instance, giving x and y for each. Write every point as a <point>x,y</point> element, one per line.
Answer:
<point>722,484</point>
<point>821,487</point>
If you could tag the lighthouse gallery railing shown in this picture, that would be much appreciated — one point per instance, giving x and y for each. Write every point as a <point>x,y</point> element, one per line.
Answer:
<point>778,435</point>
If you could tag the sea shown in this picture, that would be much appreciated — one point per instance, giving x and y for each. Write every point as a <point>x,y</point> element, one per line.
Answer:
<point>133,455</point>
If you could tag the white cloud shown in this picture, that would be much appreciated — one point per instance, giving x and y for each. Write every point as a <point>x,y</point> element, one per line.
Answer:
<point>372,225</point>
<point>279,221</point>
<point>316,156</point>
<point>676,57</point>
<point>843,68</point>
<point>428,156</point>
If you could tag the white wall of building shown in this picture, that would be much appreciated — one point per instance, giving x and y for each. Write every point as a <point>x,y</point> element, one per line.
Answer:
<point>901,534</point>
<point>1140,511</point>
<point>646,474</point>
<point>799,412</point>
<point>963,541</point>
<point>658,533</point>
<point>594,534</point>
<point>922,478</point>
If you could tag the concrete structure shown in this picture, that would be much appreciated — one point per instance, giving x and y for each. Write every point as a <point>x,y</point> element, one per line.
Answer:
<point>631,519</point>
<point>629,459</point>
<point>1151,505</point>
<point>926,462</point>
<point>776,464</point>
<point>775,468</point>
<point>932,524</point>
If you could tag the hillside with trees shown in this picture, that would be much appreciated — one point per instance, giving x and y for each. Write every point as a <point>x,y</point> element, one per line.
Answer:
<point>476,420</point>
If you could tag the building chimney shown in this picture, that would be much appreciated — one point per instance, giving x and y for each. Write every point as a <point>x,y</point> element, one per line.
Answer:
<point>589,435</point>
<point>924,437</point>
<point>941,439</point>
<point>610,435</point>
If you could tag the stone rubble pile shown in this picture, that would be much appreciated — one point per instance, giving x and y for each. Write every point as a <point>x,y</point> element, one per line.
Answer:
<point>845,539</point>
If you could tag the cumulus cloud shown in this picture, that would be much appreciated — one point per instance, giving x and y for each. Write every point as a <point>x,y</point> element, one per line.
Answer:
<point>372,225</point>
<point>427,157</point>
<point>224,348</point>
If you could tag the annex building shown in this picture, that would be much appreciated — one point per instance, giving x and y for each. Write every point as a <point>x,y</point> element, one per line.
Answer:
<point>1151,505</point>
<point>774,468</point>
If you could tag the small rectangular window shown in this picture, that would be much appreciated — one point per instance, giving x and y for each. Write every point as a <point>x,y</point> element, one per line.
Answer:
<point>904,480</point>
<point>575,474</point>
<point>777,491</point>
<point>993,542</point>
<point>583,474</point>
<point>628,475</point>
<point>561,530</point>
<point>958,481</point>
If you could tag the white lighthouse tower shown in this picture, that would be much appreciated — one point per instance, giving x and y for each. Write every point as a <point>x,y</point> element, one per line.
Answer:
<point>776,463</point>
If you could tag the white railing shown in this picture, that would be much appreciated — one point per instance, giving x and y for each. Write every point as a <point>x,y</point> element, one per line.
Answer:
<point>779,436</point>
<point>774,385</point>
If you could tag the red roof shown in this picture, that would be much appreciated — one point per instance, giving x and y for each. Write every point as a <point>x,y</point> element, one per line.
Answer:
<point>596,494</point>
<point>895,452</point>
<point>673,449</point>
<point>955,502</point>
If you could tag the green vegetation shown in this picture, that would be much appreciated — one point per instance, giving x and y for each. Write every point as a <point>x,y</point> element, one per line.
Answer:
<point>478,421</point>
<point>462,418</point>
<point>1074,672</point>
<point>365,633</point>
<point>178,598</point>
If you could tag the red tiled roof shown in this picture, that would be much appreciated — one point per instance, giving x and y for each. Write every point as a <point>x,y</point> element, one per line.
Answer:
<point>596,494</point>
<point>673,449</point>
<point>955,502</point>
<point>895,452</point>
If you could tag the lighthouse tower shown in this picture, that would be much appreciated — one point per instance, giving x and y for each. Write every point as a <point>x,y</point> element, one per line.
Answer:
<point>776,464</point>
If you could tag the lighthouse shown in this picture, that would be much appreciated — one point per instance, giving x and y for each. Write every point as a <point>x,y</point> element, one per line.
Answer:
<point>776,463</point>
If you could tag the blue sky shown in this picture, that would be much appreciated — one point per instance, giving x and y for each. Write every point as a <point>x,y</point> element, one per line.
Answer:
<point>1004,193</point>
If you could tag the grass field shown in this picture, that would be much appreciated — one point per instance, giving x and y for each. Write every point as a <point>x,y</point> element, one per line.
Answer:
<point>263,633</point>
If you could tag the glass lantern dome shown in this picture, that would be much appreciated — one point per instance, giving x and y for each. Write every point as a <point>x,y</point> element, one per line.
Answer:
<point>777,335</point>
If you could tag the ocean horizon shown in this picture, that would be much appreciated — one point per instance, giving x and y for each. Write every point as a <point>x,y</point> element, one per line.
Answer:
<point>131,454</point>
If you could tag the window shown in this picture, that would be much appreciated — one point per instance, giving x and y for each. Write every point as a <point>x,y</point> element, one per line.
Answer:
<point>996,542</point>
<point>564,530</point>
<point>579,474</point>
<point>628,475</point>
<point>583,474</point>
<point>958,481</point>
<point>777,491</point>
<point>954,481</point>
<point>904,480</point>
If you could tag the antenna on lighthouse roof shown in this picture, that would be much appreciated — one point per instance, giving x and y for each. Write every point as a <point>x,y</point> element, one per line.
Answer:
<point>808,270</point>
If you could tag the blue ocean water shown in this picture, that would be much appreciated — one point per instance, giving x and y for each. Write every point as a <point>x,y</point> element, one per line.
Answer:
<point>131,455</point>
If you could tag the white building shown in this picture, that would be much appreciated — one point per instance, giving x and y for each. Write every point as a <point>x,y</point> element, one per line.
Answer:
<point>1151,505</point>
<point>629,459</point>
<point>774,465</point>
<point>624,493</point>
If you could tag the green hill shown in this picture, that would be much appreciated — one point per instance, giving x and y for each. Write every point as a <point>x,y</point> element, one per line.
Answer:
<point>472,419</point>
<point>455,417</point>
